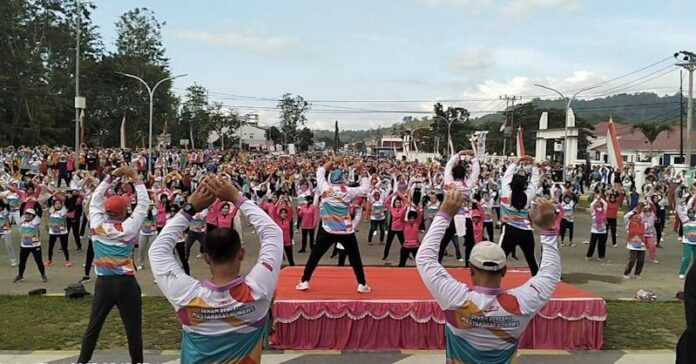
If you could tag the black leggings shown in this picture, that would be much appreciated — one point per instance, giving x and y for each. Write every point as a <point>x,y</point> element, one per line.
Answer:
<point>83,225</point>
<point>611,227</point>
<point>24,255</point>
<point>307,233</point>
<point>63,245</point>
<point>180,248</point>
<point>450,236</point>
<point>600,241</point>
<point>89,258</point>
<point>191,238</point>
<point>74,227</point>
<point>288,255</point>
<point>324,242</point>
<point>513,237</point>
<point>468,241</point>
<point>124,293</point>
<point>637,258</point>
<point>404,255</point>
<point>565,224</point>
<point>374,226</point>
<point>390,238</point>
<point>489,229</point>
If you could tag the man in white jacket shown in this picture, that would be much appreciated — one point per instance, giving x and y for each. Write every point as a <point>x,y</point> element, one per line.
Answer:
<point>114,236</point>
<point>484,322</point>
<point>223,318</point>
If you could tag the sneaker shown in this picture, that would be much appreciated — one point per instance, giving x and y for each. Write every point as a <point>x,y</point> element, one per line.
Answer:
<point>572,245</point>
<point>460,260</point>
<point>68,264</point>
<point>140,267</point>
<point>85,279</point>
<point>44,278</point>
<point>588,258</point>
<point>626,276</point>
<point>48,263</point>
<point>659,246</point>
<point>18,279</point>
<point>364,288</point>
<point>199,256</point>
<point>681,276</point>
<point>562,244</point>
<point>636,277</point>
<point>302,286</point>
<point>655,261</point>
<point>13,263</point>
<point>615,245</point>
<point>586,242</point>
<point>600,259</point>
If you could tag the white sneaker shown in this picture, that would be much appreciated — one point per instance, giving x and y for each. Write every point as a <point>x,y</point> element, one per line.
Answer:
<point>588,259</point>
<point>655,261</point>
<point>364,288</point>
<point>140,267</point>
<point>681,276</point>
<point>302,286</point>
<point>626,276</point>
<point>199,256</point>
<point>460,260</point>
<point>636,277</point>
<point>13,263</point>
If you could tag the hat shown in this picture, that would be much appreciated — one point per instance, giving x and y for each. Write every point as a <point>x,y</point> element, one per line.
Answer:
<point>116,204</point>
<point>30,211</point>
<point>488,256</point>
<point>336,176</point>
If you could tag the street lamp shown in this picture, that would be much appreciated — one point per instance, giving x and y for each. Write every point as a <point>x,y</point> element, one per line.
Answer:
<point>151,92</point>
<point>458,113</point>
<point>567,110</point>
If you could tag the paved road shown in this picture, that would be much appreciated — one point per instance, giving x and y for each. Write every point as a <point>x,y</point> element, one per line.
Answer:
<point>602,278</point>
<point>335,357</point>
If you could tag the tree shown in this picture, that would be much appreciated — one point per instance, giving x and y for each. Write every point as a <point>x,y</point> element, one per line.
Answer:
<point>292,113</point>
<point>456,121</point>
<point>194,112</point>
<point>336,139</point>
<point>274,134</point>
<point>223,122</point>
<point>651,129</point>
<point>305,139</point>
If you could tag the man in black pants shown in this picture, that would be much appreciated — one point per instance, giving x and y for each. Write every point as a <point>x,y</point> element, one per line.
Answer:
<point>336,223</point>
<point>113,238</point>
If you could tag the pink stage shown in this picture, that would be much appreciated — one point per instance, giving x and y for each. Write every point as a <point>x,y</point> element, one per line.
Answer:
<point>399,313</point>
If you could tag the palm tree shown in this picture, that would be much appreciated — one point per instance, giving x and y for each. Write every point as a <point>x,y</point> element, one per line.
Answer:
<point>651,129</point>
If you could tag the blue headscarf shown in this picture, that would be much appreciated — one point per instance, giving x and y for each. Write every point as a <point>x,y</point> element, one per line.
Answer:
<point>336,176</point>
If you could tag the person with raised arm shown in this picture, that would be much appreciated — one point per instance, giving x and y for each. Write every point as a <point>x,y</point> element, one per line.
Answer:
<point>484,322</point>
<point>114,235</point>
<point>336,224</point>
<point>224,317</point>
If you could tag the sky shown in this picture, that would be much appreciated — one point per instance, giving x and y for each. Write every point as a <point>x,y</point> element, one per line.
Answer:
<point>370,63</point>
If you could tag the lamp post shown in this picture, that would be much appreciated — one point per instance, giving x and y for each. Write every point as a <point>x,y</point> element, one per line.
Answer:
<point>688,62</point>
<point>567,110</point>
<point>151,92</point>
<point>459,113</point>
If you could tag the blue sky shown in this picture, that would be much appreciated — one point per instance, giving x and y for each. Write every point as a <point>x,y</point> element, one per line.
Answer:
<point>412,50</point>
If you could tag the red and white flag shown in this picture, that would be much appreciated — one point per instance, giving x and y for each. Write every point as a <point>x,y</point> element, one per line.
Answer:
<point>123,132</point>
<point>613,147</point>
<point>520,143</point>
<point>82,127</point>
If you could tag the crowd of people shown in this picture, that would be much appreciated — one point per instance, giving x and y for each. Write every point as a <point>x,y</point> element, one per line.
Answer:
<point>138,214</point>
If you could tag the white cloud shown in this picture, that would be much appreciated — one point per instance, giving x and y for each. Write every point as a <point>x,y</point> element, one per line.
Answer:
<point>523,7</point>
<point>475,59</point>
<point>233,39</point>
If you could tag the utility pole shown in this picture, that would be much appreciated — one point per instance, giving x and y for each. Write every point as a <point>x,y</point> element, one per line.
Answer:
<point>681,116</point>
<point>79,101</point>
<point>509,107</point>
<point>688,62</point>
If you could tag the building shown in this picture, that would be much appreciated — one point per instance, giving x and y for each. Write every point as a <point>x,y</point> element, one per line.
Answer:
<point>251,135</point>
<point>636,148</point>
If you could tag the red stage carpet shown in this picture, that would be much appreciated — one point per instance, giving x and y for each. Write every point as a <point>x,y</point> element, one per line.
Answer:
<point>399,313</point>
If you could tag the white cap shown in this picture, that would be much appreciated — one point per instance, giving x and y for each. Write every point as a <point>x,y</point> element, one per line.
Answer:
<point>488,256</point>
<point>30,211</point>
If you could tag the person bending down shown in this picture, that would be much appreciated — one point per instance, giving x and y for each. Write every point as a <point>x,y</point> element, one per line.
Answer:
<point>223,318</point>
<point>484,322</point>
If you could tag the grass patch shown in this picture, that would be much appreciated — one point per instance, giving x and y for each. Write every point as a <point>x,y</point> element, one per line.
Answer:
<point>646,326</point>
<point>57,323</point>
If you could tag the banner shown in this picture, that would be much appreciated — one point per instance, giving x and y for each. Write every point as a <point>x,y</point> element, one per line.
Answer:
<point>82,127</point>
<point>520,143</point>
<point>613,147</point>
<point>123,132</point>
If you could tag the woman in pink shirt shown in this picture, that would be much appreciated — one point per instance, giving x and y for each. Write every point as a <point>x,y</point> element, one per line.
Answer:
<point>309,217</point>
<point>411,236</point>
<point>225,218</point>
<point>213,212</point>
<point>397,209</point>
<point>285,222</point>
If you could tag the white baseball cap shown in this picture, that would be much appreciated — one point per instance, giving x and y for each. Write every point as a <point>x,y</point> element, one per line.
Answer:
<point>30,211</point>
<point>488,256</point>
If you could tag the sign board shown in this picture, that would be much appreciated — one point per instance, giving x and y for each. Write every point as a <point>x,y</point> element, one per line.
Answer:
<point>558,146</point>
<point>291,149</point>
<point>183,142</point>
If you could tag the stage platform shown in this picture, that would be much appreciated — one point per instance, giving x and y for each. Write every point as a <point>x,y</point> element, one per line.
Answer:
<point>399,313</point>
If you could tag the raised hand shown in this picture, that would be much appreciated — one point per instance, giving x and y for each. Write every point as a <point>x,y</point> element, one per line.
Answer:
<point>201,197</point>
<point>224,190</point>
<point>452,201</point>
<point>543,214</point>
